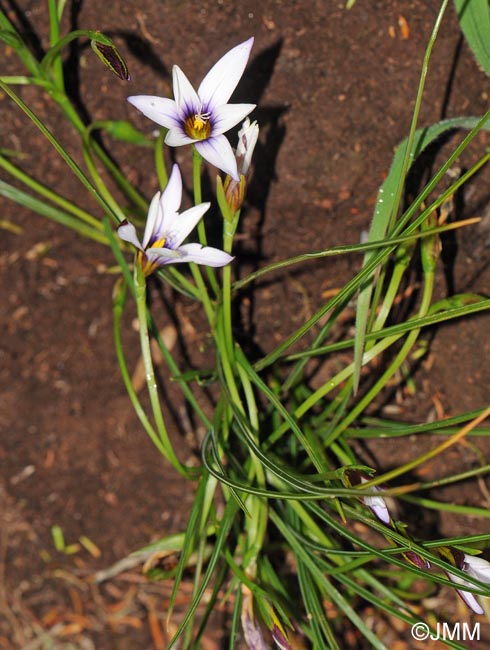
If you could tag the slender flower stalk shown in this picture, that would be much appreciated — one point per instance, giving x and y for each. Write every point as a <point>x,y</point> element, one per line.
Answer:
<point>201,118</point>
<point>166,229</point>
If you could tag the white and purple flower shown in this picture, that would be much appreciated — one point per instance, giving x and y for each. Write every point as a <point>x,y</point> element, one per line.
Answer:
<point>377,505</point>
<point>201,118</point>
<point>476,567</point>
<point>166,229</point>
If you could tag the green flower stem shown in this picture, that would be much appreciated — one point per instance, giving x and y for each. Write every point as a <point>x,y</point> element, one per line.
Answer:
<point>58,94</point>
<point>52,55</point>
<point>196,183</point>
<point>168,452</point>
<point>169,360</point>
<point>256,524</point>
<point>160,159</point>
<point>54,38</point>
<point>227,364</point>
<point>128,190</point>
<point>120,292</point>
<point>201,228</point>
<point>229,229</point>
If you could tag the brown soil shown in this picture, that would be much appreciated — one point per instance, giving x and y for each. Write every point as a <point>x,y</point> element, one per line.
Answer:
<point>335,90</point>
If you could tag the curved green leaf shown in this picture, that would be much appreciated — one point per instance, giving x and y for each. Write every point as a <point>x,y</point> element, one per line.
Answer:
<point>474,18</point>
<point>386,201</point>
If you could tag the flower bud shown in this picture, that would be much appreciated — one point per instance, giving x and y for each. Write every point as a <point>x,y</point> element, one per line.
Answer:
<point>475,567</point>
<point>108,53</point>
<point>235,191</point>
<point>377,505</point>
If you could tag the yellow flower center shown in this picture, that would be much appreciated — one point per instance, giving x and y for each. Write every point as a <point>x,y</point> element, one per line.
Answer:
<point>159,243</point>
<point>198,126</point>
<point>147,266</point>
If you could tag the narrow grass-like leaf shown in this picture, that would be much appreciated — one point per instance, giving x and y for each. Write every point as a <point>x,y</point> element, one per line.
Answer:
<point>48,193</point>
<point>474,19</point>
<point>59,148</point>
<point>385,205</point>
<point>20,47</point>
<point>226,523</point>
<point>350,248</point>
<point>321,580</point>
<point>51,212</point>
<point>376,428</point>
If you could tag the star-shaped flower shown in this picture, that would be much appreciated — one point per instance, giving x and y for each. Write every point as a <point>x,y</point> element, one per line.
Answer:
<point>201,117</point>
<point>166,229</point>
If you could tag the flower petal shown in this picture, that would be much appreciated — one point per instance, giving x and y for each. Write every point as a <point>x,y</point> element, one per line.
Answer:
<point>153,220</point>
<point>170,201</point>
<point>161,110</point>
<point>176,138</point>
<point>164,255</point>
<point>206,255</point>
<point>469,598</point>
<point>225,117</point>
<point>477,567</point>
<point>247,139</point>
<point>217,86</point>
<point>181,224</point>
<point>186,98</point>
<point>127,232</point>
<point>379,508</point>
<point>217,150</point>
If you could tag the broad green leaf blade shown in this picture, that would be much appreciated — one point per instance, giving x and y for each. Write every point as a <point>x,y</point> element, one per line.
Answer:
<point>474,18</point>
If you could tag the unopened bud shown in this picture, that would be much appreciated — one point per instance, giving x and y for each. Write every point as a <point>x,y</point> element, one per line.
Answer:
<point>417,560</point>
<point>108,53</point>
<point>235,191</point>
<point>377,505</point>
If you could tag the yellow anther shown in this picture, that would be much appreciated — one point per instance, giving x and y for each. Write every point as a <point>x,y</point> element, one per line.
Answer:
<point>199,122</point>
<point>198,126</point>
<point>159,243</point>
